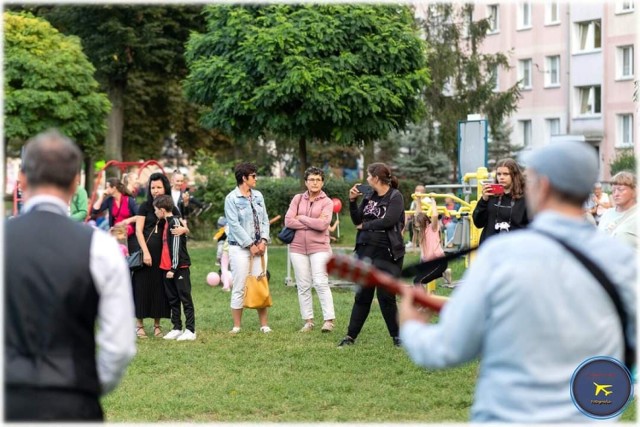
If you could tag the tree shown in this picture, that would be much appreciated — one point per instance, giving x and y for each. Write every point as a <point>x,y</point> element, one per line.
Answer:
<point>138,52</point>
<point>462,78</point>
<point>345,73</point>
<point>49,83</point>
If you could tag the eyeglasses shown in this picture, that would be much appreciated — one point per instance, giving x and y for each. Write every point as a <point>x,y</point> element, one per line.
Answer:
<point>314,179</point>
<point>252,175</point>
<point>620,188</point>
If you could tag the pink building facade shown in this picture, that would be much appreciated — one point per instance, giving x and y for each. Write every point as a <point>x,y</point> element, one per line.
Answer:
<point>576,66</point>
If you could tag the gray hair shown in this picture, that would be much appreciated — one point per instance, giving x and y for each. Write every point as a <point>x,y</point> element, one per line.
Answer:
<point>50,158</point>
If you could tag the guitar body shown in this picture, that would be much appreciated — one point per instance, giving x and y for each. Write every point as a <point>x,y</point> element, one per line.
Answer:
<point>365,274</point>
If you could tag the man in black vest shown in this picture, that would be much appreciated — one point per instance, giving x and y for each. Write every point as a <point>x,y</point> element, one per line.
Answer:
<point>61,278</point>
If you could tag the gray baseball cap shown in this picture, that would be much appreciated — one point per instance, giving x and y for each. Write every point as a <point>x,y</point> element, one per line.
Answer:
<point>570,166</point>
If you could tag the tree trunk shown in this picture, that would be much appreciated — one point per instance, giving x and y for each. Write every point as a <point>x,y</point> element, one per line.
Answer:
<point>369,154</point>
<point>115,123</point>
<point>302,151</point>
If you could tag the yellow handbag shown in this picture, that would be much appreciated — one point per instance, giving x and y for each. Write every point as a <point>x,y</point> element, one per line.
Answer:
<point>256,288</point>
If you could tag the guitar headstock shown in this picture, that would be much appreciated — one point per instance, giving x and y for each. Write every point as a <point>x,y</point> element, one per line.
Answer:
<point>357,270</point>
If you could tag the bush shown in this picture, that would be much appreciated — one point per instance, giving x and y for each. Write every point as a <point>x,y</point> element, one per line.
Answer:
<point>624,161</point>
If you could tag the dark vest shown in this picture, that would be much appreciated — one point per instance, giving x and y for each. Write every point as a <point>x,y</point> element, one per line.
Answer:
<point>51,303</point>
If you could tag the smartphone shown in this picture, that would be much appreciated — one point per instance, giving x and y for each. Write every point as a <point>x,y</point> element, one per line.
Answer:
<point>364,188</point>
<point>497,189</point>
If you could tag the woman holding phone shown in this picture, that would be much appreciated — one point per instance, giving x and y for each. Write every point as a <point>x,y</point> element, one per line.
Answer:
<point>379,219</point>
<point>502,207</point>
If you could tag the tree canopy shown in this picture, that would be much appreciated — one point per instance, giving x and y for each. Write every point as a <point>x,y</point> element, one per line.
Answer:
<point>347,73</point>
<point>49,83</point>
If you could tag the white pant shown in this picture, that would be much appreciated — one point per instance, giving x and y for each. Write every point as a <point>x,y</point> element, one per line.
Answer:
<point>312,269</point>
<point>239,258</point>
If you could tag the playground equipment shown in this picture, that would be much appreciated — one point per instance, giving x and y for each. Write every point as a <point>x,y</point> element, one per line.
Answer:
<point>100,175</point>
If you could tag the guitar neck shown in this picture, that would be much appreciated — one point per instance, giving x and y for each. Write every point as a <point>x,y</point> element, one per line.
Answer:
<point>365,274</point>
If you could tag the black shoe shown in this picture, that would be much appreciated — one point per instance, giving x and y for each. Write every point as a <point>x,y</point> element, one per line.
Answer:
<point>397,342</point>
<point>346,341</point>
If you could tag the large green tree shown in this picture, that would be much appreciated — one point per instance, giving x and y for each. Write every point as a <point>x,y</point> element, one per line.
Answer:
<point>49,83</point>
<point>347,73</point>
<point>462,76</point>
<point>138,52</point>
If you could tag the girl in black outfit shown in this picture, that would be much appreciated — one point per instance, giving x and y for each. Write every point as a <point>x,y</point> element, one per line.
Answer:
<point>379,219</point>
<point>502,213</point>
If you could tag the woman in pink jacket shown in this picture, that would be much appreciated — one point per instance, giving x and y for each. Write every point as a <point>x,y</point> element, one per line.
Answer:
<point>310,215</point>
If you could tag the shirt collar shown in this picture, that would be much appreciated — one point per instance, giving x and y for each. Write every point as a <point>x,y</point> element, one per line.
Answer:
<point>54,204</point>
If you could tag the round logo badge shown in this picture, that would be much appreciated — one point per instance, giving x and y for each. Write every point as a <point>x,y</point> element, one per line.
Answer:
<point>601,387</point>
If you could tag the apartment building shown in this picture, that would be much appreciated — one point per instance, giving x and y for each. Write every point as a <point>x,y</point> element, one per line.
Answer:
<point>576,65</point>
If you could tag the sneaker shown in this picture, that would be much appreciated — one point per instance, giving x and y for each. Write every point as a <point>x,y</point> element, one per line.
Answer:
<point>265,330</point>
<point>409,245</point>
<point>187,335</point>
<point>173,334</point>
<point>397,342</point>
<point>308,327</point>
<point>346,341</point>
<point>235,330</point>
<point>327,326</point>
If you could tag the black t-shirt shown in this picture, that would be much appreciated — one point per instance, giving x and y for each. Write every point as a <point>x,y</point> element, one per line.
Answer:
<point>378,216</point>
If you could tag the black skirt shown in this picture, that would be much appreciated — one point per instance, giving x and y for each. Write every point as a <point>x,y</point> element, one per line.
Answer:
<point>149,297</point>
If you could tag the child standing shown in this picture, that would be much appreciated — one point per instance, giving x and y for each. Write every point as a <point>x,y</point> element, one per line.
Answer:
<point>177,282</point>
<point>120,233</point>
<point>428,230</point>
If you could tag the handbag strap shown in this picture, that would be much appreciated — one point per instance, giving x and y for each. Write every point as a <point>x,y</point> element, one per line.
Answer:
<point>629,352</point>
<point>261,261</point>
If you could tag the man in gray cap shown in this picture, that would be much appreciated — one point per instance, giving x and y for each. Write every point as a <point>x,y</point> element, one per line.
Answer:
<point>528,308</point>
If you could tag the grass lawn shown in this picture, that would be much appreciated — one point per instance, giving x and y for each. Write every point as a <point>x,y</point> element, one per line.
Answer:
<point>285,376</point>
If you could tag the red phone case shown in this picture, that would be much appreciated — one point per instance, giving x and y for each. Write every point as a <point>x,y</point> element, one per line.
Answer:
<point>497,189</point>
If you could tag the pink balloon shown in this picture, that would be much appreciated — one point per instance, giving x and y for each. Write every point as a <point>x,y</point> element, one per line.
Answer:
<point>337,205</point>
<point>213,279</point>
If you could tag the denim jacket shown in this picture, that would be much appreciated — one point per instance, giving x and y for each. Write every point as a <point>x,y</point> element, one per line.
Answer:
<point>237,210</point>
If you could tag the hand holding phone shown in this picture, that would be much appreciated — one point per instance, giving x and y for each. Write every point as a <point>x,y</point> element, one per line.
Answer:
<point>364,188</point>
<point>497,189</point>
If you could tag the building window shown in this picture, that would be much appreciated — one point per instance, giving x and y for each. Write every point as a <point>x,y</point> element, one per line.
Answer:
<point>552,71</point>
<point>524,15</point>
<point>588,36</point>
<point>625,62</point>
<point>524,73</point>
<point>553,127</point>
<point>467,21</point>
<point>589,100</point>
<point>625,130</point>
<point>552,13</point>
<point>525,132</point>
<point>493,16</point>
<point>625,6</point>
<point>495,78</point>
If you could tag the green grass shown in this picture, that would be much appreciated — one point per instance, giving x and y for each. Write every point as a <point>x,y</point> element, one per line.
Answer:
<point>285,376</point>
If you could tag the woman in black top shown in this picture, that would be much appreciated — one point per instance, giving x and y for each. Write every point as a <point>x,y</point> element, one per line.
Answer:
<point>379,220</point>
<point>149,296</point>
<point>506,212</point>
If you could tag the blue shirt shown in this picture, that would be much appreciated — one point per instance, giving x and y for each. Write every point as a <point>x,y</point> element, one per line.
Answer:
<point>239,213</point>
<point>532,313</point>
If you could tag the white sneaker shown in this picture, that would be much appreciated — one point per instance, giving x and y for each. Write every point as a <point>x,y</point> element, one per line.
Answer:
<point>235,330</point>
<point>187,335</point>
<point>173,334</point>
<point>265,329</point>
<point>409,245</point>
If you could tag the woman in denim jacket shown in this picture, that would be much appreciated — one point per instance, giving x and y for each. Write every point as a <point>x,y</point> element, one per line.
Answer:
<point>248,237</point>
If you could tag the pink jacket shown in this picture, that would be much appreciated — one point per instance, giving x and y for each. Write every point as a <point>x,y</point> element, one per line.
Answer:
<point>311,222</point>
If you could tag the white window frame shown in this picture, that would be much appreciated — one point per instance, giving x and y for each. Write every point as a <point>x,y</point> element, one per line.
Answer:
<point>493,15</point>
<point>524,16</point>
<point>550,7</point>
<point>525,74</point>
<point>587,102</point>
<point>495,75</point>
<point>624,134</point>
<point>622,72</point>
<point>467,20</point>
<point>551,75</point>
<point>585,39</point>
<point>526,132</point>
<point>553,127</point>
<point>625,6</point>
